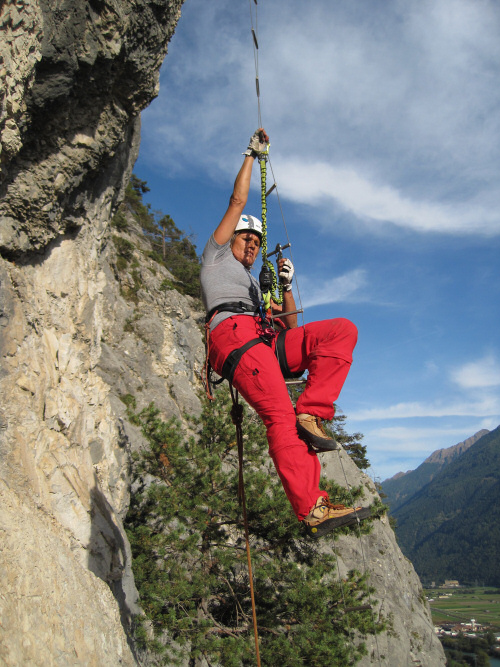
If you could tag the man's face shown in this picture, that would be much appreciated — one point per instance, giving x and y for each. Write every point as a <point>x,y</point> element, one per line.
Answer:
<point>246,247</point>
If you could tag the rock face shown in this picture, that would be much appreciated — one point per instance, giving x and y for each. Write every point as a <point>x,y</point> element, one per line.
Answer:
<point>398,597</point>
<point>74,78</point>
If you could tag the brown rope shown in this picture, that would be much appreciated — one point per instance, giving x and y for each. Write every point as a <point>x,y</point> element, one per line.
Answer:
<point>237,418</point>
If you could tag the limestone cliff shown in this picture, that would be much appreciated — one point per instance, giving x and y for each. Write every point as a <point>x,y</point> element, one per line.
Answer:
<point>74,78</point>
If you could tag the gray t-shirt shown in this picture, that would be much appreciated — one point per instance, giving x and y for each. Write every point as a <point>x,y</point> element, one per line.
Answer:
<point>224,279</point>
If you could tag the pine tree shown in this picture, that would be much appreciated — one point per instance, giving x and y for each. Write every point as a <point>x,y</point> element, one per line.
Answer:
<point>190,567</point>
<point>351,442</point>
<point>170,246</point>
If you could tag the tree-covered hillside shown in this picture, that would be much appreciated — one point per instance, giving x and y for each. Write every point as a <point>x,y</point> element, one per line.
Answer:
<point>401,489</point>
<point>451,528</point>
<point>170,246</point>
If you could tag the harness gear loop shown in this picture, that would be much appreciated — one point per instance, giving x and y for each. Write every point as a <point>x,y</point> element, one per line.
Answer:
<point>237,416</point>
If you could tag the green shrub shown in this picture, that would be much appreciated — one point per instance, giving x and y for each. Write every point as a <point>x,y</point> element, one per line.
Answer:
<point>121,263</point>
<point>124,247</point>
<point>119,220</point>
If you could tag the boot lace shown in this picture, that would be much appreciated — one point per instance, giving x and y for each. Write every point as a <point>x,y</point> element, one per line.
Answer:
<point>332,506</point>
<point>319,424</point>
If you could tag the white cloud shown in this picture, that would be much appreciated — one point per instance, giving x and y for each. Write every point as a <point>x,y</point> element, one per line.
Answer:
<point>414,439</point>
<point>384,114</point>
<point>323,185</point>
<point>389,112</point>
<point>485,406</point>
<point>476,380</point>
<point>402,449</point>
<point>478,374</point>
<point>431,368</point>
<point>345,288</point>
<point>489,424</point>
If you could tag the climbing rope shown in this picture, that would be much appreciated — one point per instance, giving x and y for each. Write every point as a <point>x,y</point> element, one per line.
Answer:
<point>237,418</point>
<point>256,56</point>
<point>363,558</point>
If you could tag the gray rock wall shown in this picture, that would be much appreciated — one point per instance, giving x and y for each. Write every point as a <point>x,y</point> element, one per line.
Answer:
<point>74,77</point>
<point>410,640</point>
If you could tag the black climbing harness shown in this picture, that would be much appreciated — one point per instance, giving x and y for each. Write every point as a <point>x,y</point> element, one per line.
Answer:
<point>231,307</point>
<point>281,356</point>
<point>266,336</point>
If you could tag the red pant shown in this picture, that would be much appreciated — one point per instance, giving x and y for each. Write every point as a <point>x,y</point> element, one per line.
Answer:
<point>325,349</point>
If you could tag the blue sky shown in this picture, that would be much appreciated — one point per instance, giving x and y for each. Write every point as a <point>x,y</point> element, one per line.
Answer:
<point>384,120</point>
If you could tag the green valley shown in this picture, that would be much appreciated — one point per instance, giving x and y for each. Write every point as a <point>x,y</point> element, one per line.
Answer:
<point>460,605</point>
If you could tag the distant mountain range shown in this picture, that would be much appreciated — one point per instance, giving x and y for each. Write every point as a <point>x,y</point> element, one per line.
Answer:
<point>404,485</point>
<point>447,512</point>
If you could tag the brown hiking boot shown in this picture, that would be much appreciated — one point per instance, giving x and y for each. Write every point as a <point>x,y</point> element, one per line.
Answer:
<point>311,430</point>
<point>325,517</point>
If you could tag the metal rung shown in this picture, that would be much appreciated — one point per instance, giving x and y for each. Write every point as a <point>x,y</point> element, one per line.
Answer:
<point>296,381</point>
<point>292,312</point>
<point>363,607</point>
<point>279,248</point>
<point>255,39</point>
<point>270,190</point>
<point>257,88</point>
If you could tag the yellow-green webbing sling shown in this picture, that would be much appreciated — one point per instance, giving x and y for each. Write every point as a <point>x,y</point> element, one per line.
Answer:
<point>271,293</point>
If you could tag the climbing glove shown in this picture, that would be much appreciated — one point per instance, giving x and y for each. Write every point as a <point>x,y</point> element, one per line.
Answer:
<point>258,143</point>
<point>286,275</point>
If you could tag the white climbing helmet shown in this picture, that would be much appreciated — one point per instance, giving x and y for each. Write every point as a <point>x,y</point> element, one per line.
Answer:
<point>249,223</point>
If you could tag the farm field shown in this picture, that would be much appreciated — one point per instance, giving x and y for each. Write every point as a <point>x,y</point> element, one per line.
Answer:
<point>463,604</point>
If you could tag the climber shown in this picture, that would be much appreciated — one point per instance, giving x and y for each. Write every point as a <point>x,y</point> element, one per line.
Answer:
<point>241,347</point>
